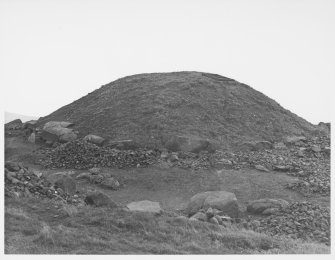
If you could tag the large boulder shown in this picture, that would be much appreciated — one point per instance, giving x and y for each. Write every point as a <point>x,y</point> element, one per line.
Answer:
<point>266,206</point>
<point>94,139</point>
<point>31,124</point>
<point>220,200</point>
<point>188,144</point>
<point>58,132</point>
<point>145,206</point>
<point>68,136</point>
<point>99,199</point>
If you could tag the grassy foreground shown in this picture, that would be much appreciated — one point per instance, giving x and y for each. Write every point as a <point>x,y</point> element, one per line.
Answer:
<point>34,226</point>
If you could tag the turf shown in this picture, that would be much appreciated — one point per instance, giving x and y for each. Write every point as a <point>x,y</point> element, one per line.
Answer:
<point>32,229</point>
<point>149,108</point>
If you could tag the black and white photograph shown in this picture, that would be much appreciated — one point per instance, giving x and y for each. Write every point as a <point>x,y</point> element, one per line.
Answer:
<point>177,128</point>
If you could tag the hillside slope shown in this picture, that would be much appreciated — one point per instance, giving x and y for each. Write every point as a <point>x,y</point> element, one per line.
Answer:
<point>150,107</point>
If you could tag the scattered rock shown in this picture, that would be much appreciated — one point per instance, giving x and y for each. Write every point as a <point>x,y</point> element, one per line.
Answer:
<point>303,220</point>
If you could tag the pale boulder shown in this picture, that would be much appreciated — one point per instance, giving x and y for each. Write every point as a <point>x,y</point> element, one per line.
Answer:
<point>145,206</point>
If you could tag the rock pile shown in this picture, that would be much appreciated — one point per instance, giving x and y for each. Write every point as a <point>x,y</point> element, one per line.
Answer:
<point>79,154</point>
<point>213,216</point>
<point>23,182</point>
<point>299,220</point>
<point>306,158</point>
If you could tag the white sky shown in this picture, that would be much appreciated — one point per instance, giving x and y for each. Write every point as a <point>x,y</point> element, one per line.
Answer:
<point>54,52</point>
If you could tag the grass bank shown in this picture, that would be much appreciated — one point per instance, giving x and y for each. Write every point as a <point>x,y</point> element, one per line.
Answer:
<point>34,226</point>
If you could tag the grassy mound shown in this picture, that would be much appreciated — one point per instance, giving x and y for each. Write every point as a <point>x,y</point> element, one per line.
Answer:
<point>33,227</point>
<point>149,108</point>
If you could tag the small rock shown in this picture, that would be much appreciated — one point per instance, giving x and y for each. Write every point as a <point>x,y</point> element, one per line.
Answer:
<point>213,221</point>
<point>261,168</point>
<point>96,178</point>
<point>200,216</point>
<point>94,170</point>
<point>37,173</point>
<point>110,183</point>
<point>209,213</point>
<point>218,218</point>
<point>225,161</point>
<point>174,157</point>
<point>316,148</point>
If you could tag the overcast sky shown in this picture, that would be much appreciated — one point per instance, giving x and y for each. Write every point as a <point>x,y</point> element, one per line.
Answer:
<point>54,52</point>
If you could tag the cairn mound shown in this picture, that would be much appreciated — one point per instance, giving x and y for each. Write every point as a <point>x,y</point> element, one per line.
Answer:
<point>150,108</point>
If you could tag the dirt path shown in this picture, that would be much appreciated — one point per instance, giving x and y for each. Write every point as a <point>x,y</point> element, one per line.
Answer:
<point>174,187</point>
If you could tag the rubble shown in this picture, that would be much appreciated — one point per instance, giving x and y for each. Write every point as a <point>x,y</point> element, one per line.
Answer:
<point>313,168</point>
<point>79,154</point>
<point>23,182</point>
<point>299,220</point>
